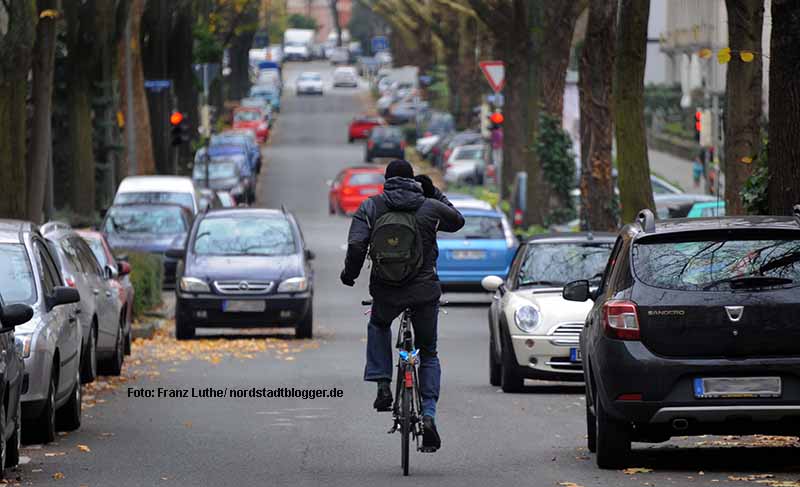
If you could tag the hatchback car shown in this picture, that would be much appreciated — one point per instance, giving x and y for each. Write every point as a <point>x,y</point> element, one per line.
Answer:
<point>361,127</point>
<point>352,186</point>
<point>466,165</point>
<point>268,92</point>
<point>707,209</point>
<point>243,138</point>
<point>309,83</point>
<point>345,76</point>
<point>251,118</point>
<point>177,190</point>
<point>11,316</point>
<point>693,330</point>
<point>385,142</point>
<point>50,342</point>
<point>533,331</point>
<point>244,268</point>
<point>223,174</point>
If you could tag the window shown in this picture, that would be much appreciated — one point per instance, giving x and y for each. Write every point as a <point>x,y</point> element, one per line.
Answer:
<point>365,178</point>
<point>88,260</point>
<point>482,227</point>
<point>246,116</point>
<point>559,263</point>
<point>245,236</point>
<point>150,220</point>
<point>219,169</point>
<point>16,276</point>
<point>98,250</point>
<point>155,197</point>
<point>46,269</point>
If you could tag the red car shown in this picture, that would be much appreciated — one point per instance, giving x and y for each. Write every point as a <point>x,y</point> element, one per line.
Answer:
<point>121,282</point>
<point>253,119</point>
<point>352,186</point>
<point>362,125</point>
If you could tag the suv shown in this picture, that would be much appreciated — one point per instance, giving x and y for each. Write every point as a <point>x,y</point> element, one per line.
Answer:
<point>693,331</point>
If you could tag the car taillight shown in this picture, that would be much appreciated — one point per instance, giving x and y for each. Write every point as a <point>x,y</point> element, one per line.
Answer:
<point>402,144</point>
<point>517,217</point>
<point>428,134</point>
<point>70,281</point>
<point>348,191</point>
<point>491,171</point>
<point>621,320</point>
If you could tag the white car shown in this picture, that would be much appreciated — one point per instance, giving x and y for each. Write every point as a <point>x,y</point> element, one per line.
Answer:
<point>309,83</point>
<point>177,190</point>
<point>345,76</point>
<point>533,331</point>
<point>466,165</point>
<point>339,55</point>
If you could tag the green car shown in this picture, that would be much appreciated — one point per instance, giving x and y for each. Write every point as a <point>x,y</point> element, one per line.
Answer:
<point>707,209</point>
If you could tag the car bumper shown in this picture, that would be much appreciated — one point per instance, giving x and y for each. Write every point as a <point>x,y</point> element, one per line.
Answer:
<point>309,91</point>
<point>546,357</point>
<point>205,310</point>
<point>397,153</point>
<point>35,379</point>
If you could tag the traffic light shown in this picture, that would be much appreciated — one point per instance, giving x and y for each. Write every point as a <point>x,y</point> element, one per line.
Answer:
<point>180,128</point>
<point>698,124</point>
<point>496,118</point>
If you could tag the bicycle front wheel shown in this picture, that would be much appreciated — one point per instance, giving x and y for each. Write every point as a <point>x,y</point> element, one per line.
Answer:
<point>405,427</point>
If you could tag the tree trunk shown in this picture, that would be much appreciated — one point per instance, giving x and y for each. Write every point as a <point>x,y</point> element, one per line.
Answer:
<point>559,25</point>
<point>596,104</point>
<point>16,45</point>
<point>41,142</point>
<point>337,27</point>
<point>181,40</point>
<point>469,88</point>
<point>633,166</point>
<point>743,99</point>
<point>156,22</point>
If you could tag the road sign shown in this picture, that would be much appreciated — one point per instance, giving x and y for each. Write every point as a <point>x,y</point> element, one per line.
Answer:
<point>379,43</point>
<point>495,72</point>
<point>157,84</point>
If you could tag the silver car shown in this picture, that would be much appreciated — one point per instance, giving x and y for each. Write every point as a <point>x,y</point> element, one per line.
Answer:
<point>50,342</point>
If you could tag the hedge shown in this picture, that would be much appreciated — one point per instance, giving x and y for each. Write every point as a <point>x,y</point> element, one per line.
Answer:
<point>146,276</point>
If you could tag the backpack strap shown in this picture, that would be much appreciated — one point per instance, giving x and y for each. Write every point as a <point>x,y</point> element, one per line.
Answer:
<point>381,207</point>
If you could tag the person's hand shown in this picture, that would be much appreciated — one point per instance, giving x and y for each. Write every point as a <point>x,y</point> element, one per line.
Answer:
<point>428,189</point>
<point>347,281</point>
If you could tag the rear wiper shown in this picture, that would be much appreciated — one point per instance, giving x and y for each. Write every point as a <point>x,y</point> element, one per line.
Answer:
<point>745,282</point>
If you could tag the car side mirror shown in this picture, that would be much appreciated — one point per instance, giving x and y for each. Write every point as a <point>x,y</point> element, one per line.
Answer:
<point>310,255</point>
<point>176,253</point>
<point>64,295</point>
<point>577,291</point>
<point>15,314</point>
<point>110,273</point>
<point>124,268</point>
<point>493,283</point>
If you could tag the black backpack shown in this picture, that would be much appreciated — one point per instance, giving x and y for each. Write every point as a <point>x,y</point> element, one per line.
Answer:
<point>395,246</point>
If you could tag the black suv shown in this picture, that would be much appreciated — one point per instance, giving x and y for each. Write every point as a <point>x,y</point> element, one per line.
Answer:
<point>693,331</point>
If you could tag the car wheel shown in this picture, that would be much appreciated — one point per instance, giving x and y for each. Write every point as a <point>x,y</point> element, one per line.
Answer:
<point>43,429</point>
<point>613,439</point>
<point>113,366</point>
<point>128,340</point>
<point>510,380</point>
<point>350,140</point>
<point>68,416</point>
<point>591,429</point>
<point>12,445</point>
<point>89,365</point>
<point>305,328</point>
<point>183,329</point>
<point>495,370</point>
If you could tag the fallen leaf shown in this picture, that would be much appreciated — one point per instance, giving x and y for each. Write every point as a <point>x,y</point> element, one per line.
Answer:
<point>724,55</point>
<point>188,424</point>
<point>569,484</point>
<point>55,454</point>
<point>635,470</point>
<point>747,56</point>
<point>58,476</point>
<point>704,53</point>
<point>84,448</point>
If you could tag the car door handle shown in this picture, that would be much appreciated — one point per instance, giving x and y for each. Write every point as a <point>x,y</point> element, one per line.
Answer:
<point>96,291</point>
<point>108,294</point>
<point>72,319</point>
<point>78,311</point>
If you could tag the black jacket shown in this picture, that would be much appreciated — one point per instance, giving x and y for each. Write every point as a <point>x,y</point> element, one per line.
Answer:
<point>433,214</point>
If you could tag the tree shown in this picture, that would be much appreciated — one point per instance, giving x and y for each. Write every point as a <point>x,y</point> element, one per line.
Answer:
<point>16,45</point>
<point>633,167</point>
<point>596,105</point>
<point>784,117</point>
<point>560,18</point>
<point>742,99</point>
<point>337,26</point>
<point>300,21</point>
<point>41,142</point>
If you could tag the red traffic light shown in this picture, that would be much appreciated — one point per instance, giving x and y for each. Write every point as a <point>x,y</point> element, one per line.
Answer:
<point>698,115</point>
<point>176,118</point>
<point>496,118</point>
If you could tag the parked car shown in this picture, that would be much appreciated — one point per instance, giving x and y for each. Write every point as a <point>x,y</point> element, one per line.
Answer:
<point>693,330</point>
<point>121,282</point>
<point>177,190</point>
<point>678,205</point>
<point>466,165</point>
<point>309,83</point>
<point>209,199</point>
<point>244,268</point>
<point>100,313</point>
<point>223,174</point>
<point>246,190</point>
<point>227,199</point>
<point>148,228</point>
<point>250,118</point>
<point>12,315</point>
<point>339,55</point>
<point>405,111</point>
<point>239,138</point>
<point>352,186</point>
<point>445,146</point>
<point>533,331</point>
<point>385,142</point>
<point>49,343</point>
<point>268,92</point>
<point>484,246</point>
<point>345,76</point>
<point>362,125</point>
<point>707,209</point>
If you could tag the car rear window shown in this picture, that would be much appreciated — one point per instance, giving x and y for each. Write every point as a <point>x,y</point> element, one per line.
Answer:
<point>380,133</point>
<point>555,264</point>
<point>141,220</point>
<point>478,227</point>
<point>183,199</point>
<point>246,116</point>
<point>97,249</point>
<point>717,264</point>
<point>16,276</point>
<point>255,235</point>
<point>365,178</point>
<point>468,154</point>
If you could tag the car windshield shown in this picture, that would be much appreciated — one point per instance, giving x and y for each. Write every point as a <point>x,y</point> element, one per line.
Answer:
<point>365,178</point>
<point>145,220</point>
<point>262,93</point>
<point>468,154</point>
<point>97,249</point>
<point>246,116</point>
<point>244,236</point>
<point>717,264</point>
<point>478,227</point>
<point>555,264</point>
<point>16,275</point>
<point>310,77</point>
<point>380,134</point>
<point>226,139</point>
<point>183,199</point>
<point>218,169</point>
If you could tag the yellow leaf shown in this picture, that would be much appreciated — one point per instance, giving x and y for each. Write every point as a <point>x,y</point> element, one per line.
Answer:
<point>747,56</point>
<point>746,160</point>
<point>49,14</point>
<point>724,55</point>
<point>188,424</point>
<point>635,470</point>
<point>84,448</point>
<point>569,484</point>
<point>704,53</point>
<point>58,476</point>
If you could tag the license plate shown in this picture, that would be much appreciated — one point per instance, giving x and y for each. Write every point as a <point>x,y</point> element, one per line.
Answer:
<point>368,192</point>
<point>575,355</point>
<point>241,306</point>
<point>387,146</point>
<point>468,254</point>
<point>737,387</point>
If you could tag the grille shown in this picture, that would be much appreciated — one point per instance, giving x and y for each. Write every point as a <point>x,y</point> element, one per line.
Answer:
<point>567,333</point>
<point>243,287</point>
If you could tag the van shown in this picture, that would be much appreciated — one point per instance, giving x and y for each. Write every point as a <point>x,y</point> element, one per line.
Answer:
<point>159,189</point>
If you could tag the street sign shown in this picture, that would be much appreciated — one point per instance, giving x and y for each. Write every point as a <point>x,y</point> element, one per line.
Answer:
<point>495,72</point>
<point>379,43</point>
<point>157,84</point>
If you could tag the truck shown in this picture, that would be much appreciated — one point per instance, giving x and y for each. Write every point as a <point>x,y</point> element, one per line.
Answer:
<point>297,44</point>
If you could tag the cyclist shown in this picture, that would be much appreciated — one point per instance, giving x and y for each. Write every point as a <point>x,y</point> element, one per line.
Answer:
<point>395,286</point>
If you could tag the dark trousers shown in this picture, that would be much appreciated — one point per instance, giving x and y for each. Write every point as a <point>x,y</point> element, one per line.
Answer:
<point>424,319</point>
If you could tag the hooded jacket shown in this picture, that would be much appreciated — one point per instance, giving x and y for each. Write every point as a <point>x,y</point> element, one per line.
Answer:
<point>432,214</point>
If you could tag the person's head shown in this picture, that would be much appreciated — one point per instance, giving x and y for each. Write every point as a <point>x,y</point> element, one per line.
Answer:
<point>399,168</point>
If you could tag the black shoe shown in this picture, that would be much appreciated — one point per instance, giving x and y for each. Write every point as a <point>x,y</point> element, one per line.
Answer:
<point>430,435</point>
<point>383,401</point>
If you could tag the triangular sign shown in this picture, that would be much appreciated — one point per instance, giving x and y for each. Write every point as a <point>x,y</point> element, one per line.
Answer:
<point>495,72</point>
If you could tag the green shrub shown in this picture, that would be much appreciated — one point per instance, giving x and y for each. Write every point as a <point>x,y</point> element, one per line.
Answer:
<point>147,274</point>
<point>754,190</point>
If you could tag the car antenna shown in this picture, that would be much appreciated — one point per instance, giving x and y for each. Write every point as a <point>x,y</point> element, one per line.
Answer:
<point>647,220</point>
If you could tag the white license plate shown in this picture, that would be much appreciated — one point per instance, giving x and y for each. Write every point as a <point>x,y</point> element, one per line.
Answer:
<point>387,146</point>
<point>737,387</point>
<point>368,192</point>
<point>575,355</point>
<point>242,306</point>
<point>468,254</point>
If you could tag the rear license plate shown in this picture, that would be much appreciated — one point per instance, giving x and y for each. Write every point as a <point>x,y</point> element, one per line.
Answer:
<point>468,254</point>
<point>387,146</point>
<point>575,355</point>
<point>241,306</point>
<point>737,387</point>
<point>368,192</point>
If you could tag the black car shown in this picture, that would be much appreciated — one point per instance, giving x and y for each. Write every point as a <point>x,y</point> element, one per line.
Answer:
<point>244,268</point>
<point>693,331</point>
<point>385,142</point>
<point>11,315</point>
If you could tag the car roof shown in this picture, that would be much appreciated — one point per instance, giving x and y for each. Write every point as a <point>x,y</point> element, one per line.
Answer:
<point>150,205</point>
<point>572,237</point>
<point>471,204</point>
<point>364,169</point>
<point>675,225</point>
<point>241,212</point>
<point>165,184</point>
<point>469,147</point>
<point>11,230</point>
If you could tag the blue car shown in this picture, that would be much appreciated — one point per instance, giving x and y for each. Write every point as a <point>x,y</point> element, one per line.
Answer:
<point>485,246</point>
<point>269,93</point>
<point>242,138</point>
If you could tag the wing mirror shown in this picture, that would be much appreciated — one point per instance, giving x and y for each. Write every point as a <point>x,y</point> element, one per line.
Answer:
<point>176,253</point>
<point>577,291</point>
<point>310,255</point>
<point>64,295</point>
<point>493,283</point>
<point>15,314</point>
<point>110,273</point>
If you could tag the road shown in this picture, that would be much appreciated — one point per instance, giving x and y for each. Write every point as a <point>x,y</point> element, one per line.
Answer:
<point>489,438</point>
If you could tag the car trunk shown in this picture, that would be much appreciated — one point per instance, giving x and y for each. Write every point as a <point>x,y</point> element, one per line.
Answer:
<point>474,254</point>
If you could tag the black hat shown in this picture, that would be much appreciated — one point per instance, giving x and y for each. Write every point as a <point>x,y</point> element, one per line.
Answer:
<point>399,168</point>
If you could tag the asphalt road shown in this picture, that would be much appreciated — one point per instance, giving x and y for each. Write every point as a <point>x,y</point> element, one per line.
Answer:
<point>489,438</point>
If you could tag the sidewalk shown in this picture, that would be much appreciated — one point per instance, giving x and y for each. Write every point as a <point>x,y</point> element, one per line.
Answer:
<point>675,170</point>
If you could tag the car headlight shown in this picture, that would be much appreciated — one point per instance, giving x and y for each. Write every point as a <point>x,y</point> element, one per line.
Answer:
<point>293,285</point>
<point>527,318</point>
<point>194,285</point>
<point>23,344</point>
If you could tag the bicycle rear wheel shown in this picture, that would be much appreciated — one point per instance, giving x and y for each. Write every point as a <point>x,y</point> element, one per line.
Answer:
<point>405,427</point>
